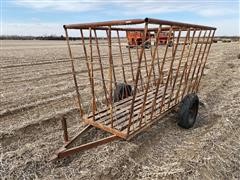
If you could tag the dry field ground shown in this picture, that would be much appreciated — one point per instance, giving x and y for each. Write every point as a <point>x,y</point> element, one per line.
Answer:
<point>37,90</point>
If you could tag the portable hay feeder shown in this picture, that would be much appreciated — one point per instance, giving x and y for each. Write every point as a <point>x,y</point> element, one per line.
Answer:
<point>123,90</point>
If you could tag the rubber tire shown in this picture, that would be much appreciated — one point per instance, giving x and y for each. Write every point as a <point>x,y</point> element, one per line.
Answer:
<point>188,111</point>
<point>122,91</point>
<point>147,45</point>
<point>170,44</point>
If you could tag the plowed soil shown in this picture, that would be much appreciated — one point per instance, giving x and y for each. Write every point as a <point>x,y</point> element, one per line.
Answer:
<point>37,90</point>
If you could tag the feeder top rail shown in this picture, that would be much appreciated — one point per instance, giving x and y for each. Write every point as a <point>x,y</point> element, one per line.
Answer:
<point>134,21</point>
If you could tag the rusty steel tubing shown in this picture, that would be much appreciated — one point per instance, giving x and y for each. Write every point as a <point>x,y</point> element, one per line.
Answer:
<point>136,81</point>
<point>94,107</point>
<point>199,54</point>
<point>74,75</point>
<point>140,69</point>
<point>152,66</point>
<point>105,23</point>
<point>179,64</point>
<point>170,72</point>
<point>65,131</point>
<point>185,66</point>
<point>109,35</point>
<point>173,23</point>
<point>121,55</point>
<point>134,21</point>
<point>131,63</point>
<point>161,76</point>
<point>145,61</point>
<point>125,29</point>
<point>191,62</point>
<point>150,72</point>
<point>111,74</point>
<point>158,63</point>
<point>101,68</point>
<point>198,70</point>
<point>205,60</point>
<point>70,151</point>
<point>89,66</point>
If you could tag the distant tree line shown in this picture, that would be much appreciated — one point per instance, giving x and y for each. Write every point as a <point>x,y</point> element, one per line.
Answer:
<point>16,37</point>
<point>233,38</point>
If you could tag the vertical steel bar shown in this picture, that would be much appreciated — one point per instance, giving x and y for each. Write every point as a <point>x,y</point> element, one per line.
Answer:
<point>111,72</point>
<point>88,67</point>
<point>154,76</point>
<point>65,132</point>
<point>136,81</point>
<point>113,69</point>
<point>85,53</point>
<point>191,62</point>
<point>178,68</point>
<point>201,61</point>
<point>140,69</point>
<point>185,66</point>
<point>193,73</point>
<point>148,80</point>
<point>205,61</point>
<point>121,56</point>
<point>74,74</point>
<point>173,51</point>
<point>170,72</point>
<point>86,58</point>
<point>130,59</point>
<point>173,38</point>
<point>94,107</point>
<point>145,61</point>
<point>158,63</point>
<point>101,68</point>
<point>161,76</point>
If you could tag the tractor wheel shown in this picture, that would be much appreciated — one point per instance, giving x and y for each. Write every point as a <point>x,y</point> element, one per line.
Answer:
<point>122,91</point>
<point>147,45</point>
<point>170,44</point>
<point>188,111</point>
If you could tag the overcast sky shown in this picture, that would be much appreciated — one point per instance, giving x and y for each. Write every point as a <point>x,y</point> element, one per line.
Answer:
<point>46,17</point>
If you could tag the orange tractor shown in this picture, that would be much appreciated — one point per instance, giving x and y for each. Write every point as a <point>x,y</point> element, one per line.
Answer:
<point>135,38</point>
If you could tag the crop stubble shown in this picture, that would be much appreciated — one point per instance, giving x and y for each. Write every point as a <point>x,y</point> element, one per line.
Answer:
<point>37,91</point>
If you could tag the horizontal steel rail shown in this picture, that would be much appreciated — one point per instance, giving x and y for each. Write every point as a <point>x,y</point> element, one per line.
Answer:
<point>135,21</point>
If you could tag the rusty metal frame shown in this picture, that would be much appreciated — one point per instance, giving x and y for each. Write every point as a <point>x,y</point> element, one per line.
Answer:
<point>66,150</point>
<point>156,92</point>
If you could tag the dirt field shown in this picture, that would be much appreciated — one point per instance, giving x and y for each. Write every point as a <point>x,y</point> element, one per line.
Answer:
<point>37,90</point>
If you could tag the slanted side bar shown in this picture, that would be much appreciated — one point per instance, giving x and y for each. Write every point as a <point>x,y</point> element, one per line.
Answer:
<point>150,72</point>
<point>204,63</point>
<point>136,81</point>
<point>101,67</point>
<point>68,152</point>
<point>74,74</point>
